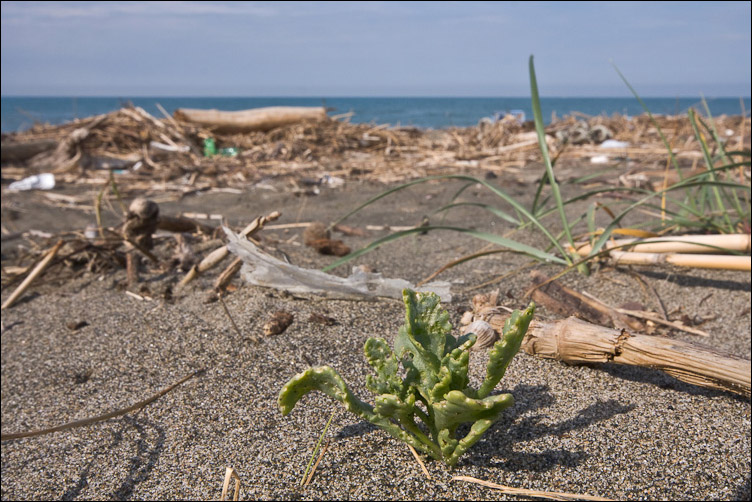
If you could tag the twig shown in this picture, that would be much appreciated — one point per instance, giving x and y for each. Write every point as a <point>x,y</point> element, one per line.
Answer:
<point>657,319</point>
<point>462,259</point>
<point>227,311</point>
<point>650,317</point>
<point>135,295</point>
<point>227,274</point>
<point>321,455</point>
<point>229,474</point>
<point>32,275</point>
<point>420,462</point>
<point>220,253</point>
<point>528,493</point>
<point>100,418</point>
<point>318,444</point>
<point>652,290</point>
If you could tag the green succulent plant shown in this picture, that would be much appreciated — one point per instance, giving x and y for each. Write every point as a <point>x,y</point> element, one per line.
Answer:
<point>434,387</point>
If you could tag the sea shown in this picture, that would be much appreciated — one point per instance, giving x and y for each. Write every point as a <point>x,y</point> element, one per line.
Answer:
<point>20,113</point>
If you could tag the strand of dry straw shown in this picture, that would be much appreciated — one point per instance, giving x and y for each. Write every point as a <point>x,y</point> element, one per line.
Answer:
<point>528,493</point>
<point>100,418</point>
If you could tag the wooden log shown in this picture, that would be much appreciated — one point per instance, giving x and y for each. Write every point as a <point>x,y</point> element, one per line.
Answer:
<point>23,150</point>
<point>574,341</point>
<point>256,119</point>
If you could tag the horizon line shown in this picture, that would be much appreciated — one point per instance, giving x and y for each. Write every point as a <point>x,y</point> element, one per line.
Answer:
<point>125,96</point>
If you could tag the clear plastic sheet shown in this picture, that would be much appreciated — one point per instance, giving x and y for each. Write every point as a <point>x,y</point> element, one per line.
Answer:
<point>261,269</point>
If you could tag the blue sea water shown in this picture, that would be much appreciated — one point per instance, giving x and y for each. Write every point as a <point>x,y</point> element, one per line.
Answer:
<point>19,113</point>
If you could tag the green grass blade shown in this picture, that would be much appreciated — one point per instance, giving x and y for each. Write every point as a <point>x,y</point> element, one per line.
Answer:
<point>538,116</point>
<point>493,238</point>
<point>487,207</point>
<point>711,172</point>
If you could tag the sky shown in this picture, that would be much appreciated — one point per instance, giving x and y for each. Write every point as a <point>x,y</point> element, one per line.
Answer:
<point>374,48</point>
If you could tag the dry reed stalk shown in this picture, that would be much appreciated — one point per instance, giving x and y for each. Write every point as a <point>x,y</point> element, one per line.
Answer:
<point>36,272</point>
<point>528,493</point>
<point>574,341</point>
<point>229,474</point>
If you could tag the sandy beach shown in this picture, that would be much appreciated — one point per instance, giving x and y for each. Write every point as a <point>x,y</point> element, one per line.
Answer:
<point>617,432</point>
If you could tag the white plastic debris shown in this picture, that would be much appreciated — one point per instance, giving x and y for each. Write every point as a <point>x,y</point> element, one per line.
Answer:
<point>599,159</point>
<point>260,269</point>
<point>612,143</point>
<point>332,181</point>
<point>169,148</point>
<point>44,181</point>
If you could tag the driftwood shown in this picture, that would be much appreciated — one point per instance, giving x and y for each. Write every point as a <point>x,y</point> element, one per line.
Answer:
<point>15,152</point>
<point>219,254</point>
<point>257,119</point>
<point>574,341</point>
<point>33,275</point>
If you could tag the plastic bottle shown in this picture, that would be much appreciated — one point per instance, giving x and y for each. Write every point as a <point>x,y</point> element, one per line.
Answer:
<point>210,149</point>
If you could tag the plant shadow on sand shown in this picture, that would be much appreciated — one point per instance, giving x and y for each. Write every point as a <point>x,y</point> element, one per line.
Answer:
<point>141,462</point>
<point>511,431</point>
<point>508,431</point>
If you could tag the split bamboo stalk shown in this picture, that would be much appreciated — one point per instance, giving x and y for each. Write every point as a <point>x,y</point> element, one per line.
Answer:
<point>681,244</point>
<point>574,341</point>
<point>32,275</point>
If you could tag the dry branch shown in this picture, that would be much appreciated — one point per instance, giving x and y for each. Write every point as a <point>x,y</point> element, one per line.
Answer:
<point>32,275</point>
<point>229,474</point>
<point>219,254</point>
<point>568,302</point>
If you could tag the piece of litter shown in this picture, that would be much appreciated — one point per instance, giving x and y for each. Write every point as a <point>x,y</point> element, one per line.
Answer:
<point>260,269</point>
<point>612,143</point>
<point>599,159</point>
<point>169,148</point>
<point>44,181</point>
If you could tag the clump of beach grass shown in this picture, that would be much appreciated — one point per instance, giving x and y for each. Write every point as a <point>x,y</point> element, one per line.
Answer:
<point>709,202</point>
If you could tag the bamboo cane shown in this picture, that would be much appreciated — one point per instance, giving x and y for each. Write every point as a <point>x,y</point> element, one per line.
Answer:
<point>684,260</point>
<point>681,244</point>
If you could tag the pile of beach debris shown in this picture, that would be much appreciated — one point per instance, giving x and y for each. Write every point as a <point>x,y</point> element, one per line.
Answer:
<point>184,154</point>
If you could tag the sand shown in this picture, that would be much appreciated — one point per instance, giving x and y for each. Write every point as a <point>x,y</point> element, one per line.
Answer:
<point>605,430</point>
